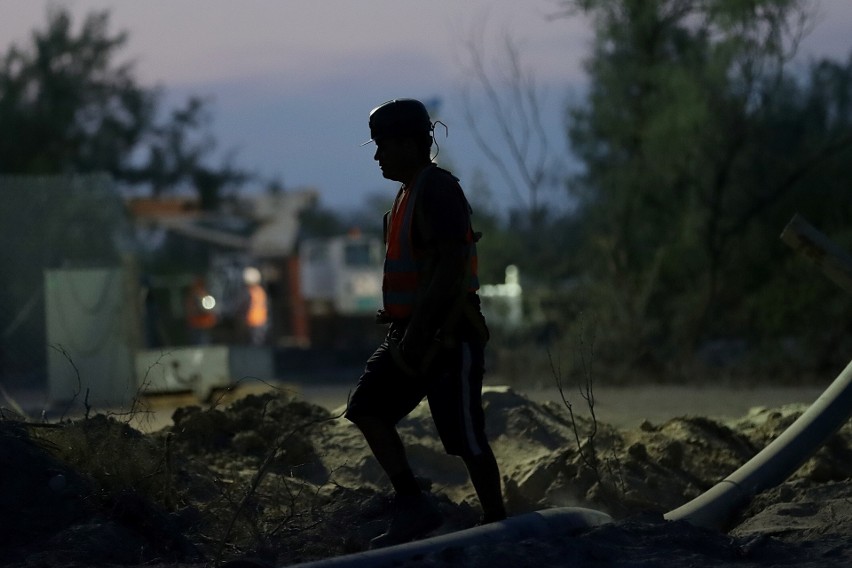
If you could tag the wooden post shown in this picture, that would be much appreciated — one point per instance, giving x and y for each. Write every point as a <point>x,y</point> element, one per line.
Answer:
<point>830,258</point>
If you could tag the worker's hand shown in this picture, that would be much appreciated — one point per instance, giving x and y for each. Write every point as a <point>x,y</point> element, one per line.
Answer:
<point>408,364</point>
<point>414,344</point>
<point>412,351</point>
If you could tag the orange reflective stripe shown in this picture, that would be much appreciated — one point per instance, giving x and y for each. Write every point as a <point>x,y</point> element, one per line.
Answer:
<point>401,272</point>
<point>257,312</point>
<point>397,239</point>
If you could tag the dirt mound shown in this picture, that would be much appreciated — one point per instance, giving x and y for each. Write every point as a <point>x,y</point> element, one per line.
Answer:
<point>76,489</point>
<point>277,478</point>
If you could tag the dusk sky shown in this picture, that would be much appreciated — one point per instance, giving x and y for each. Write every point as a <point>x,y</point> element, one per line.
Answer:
<point>291,83</point>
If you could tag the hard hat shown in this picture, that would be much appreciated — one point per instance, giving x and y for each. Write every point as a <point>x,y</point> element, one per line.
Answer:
<point>251,275</point>
<point>399,117</point>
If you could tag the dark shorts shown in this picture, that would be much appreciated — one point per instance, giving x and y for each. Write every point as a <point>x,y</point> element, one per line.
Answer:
<point>453,387</point>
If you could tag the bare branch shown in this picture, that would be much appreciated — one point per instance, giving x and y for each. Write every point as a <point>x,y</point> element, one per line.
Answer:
<point>521,152</point>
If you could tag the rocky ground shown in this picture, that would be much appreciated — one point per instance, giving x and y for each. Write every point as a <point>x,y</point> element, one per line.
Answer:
<point>282,481</point>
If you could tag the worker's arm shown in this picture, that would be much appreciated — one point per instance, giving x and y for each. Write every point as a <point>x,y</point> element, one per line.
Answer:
<point>437,297</point>
<point>441,227</point>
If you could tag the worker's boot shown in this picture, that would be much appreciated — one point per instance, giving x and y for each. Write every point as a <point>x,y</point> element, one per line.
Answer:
<point>414,516</point>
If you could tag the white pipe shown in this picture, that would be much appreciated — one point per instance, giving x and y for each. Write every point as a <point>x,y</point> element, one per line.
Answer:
<point>776,462</point>
<point>549,523</point>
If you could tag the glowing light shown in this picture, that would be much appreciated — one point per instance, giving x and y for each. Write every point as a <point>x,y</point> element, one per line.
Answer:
<point>208,302</point>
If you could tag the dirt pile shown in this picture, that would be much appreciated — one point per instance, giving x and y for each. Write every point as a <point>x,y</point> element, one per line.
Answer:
<point>274,477</point>
<point>656,467</point>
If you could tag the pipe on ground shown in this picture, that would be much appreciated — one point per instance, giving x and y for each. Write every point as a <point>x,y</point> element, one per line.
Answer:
<point>548,523</point>
<point>717,507</point>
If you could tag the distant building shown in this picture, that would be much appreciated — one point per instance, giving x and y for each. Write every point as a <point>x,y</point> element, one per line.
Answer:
<point>48,223</point>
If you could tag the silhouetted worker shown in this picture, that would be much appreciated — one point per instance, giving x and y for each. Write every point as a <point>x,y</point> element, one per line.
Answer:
<point>200,315</point>
<point>256,309</point>
<point>436,338</point>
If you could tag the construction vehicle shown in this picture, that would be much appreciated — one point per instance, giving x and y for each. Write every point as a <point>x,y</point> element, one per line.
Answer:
<point>340,287</point>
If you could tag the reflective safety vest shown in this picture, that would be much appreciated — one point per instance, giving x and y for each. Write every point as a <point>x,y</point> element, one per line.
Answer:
<point>257,311</point>
<point>403,263</point>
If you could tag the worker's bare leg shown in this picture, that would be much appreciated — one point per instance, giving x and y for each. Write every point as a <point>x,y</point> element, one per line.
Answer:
<point>389,451</point>
<point>485,477</point>
<point>414,513</point>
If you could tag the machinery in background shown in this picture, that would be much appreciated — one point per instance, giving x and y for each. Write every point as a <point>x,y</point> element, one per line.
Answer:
<point>340,289</point>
